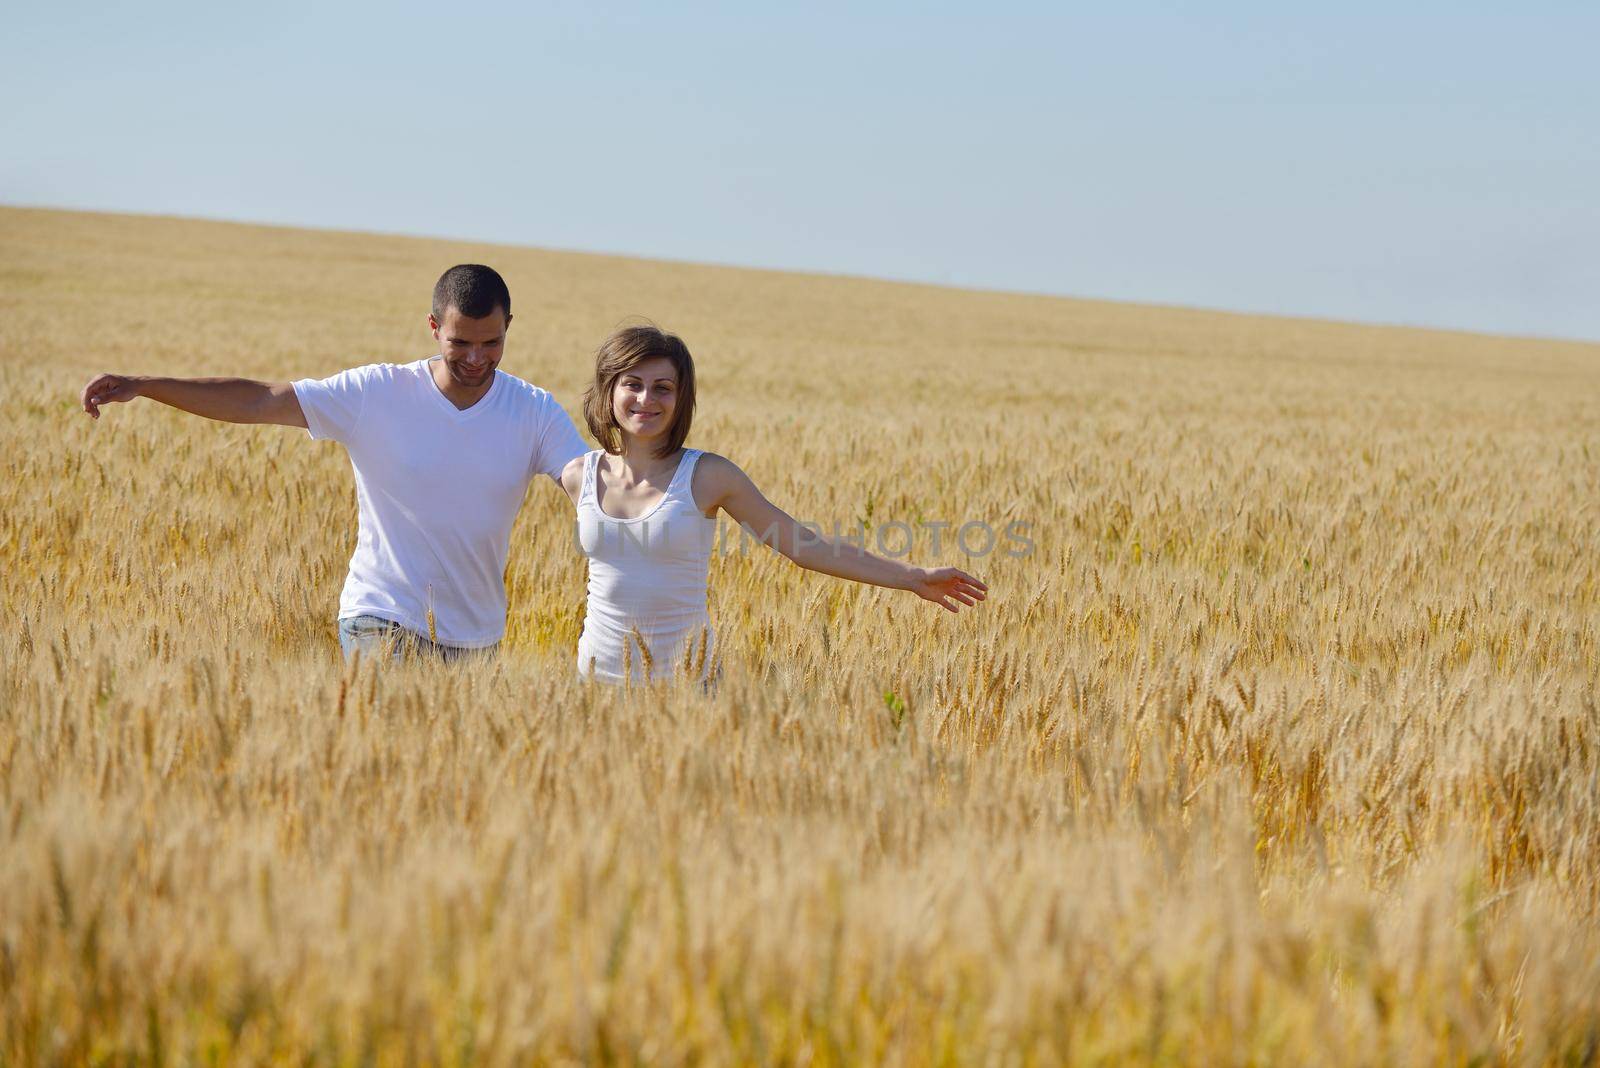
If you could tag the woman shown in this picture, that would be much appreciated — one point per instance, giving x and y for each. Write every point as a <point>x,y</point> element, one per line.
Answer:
<point>647,510</point>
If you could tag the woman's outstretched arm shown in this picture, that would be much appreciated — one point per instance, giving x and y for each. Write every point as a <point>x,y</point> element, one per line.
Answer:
<point>719,483</point>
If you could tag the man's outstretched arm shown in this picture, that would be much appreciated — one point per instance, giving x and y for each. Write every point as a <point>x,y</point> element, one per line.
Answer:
<point>231,400</point>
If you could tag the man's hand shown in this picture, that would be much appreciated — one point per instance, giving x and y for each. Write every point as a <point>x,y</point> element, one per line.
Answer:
<point>108,389</point>
<point>944,585</point>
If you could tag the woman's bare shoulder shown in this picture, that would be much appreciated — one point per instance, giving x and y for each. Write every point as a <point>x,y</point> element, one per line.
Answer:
<point>572,476</point>
<point>713,475</point>
<point>715,463</point>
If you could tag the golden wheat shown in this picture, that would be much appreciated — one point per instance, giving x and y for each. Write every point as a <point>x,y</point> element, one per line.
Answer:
<point>1282,746</point>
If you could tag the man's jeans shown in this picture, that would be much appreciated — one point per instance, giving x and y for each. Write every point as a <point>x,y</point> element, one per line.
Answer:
<point>384,639</point>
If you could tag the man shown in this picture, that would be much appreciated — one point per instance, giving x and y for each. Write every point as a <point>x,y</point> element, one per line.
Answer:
<point>443,450</point>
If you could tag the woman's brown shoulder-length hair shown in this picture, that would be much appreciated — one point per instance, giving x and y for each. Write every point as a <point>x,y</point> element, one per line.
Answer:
<point>621,353</point>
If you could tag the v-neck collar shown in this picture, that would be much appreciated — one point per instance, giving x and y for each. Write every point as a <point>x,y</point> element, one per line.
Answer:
<point>479,405</point>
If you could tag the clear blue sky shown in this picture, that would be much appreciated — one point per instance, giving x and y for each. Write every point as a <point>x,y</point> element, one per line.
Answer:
<point>1437,165</point>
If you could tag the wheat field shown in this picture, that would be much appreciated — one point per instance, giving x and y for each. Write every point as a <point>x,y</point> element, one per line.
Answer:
<point>1281,746</point>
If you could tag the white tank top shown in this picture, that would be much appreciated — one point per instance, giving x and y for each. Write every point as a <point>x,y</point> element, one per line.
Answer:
<point>647,582</point>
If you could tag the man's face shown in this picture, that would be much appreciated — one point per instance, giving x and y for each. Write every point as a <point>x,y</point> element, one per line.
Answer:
<point>471,347</point>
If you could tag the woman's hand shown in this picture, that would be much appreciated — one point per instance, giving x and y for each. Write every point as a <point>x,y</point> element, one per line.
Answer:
<point>944,585</point>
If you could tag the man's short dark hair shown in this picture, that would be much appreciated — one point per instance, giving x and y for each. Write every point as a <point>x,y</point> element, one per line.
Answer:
<point>473,290</point>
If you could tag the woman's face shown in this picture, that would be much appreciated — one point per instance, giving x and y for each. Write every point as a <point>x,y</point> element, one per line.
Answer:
<point>644,398</point>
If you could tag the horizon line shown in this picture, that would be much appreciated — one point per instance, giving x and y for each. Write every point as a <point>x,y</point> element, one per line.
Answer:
<point>809,272</point>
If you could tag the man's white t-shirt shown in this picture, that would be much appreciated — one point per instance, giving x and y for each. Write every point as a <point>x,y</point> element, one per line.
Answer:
<point>437,489</point>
